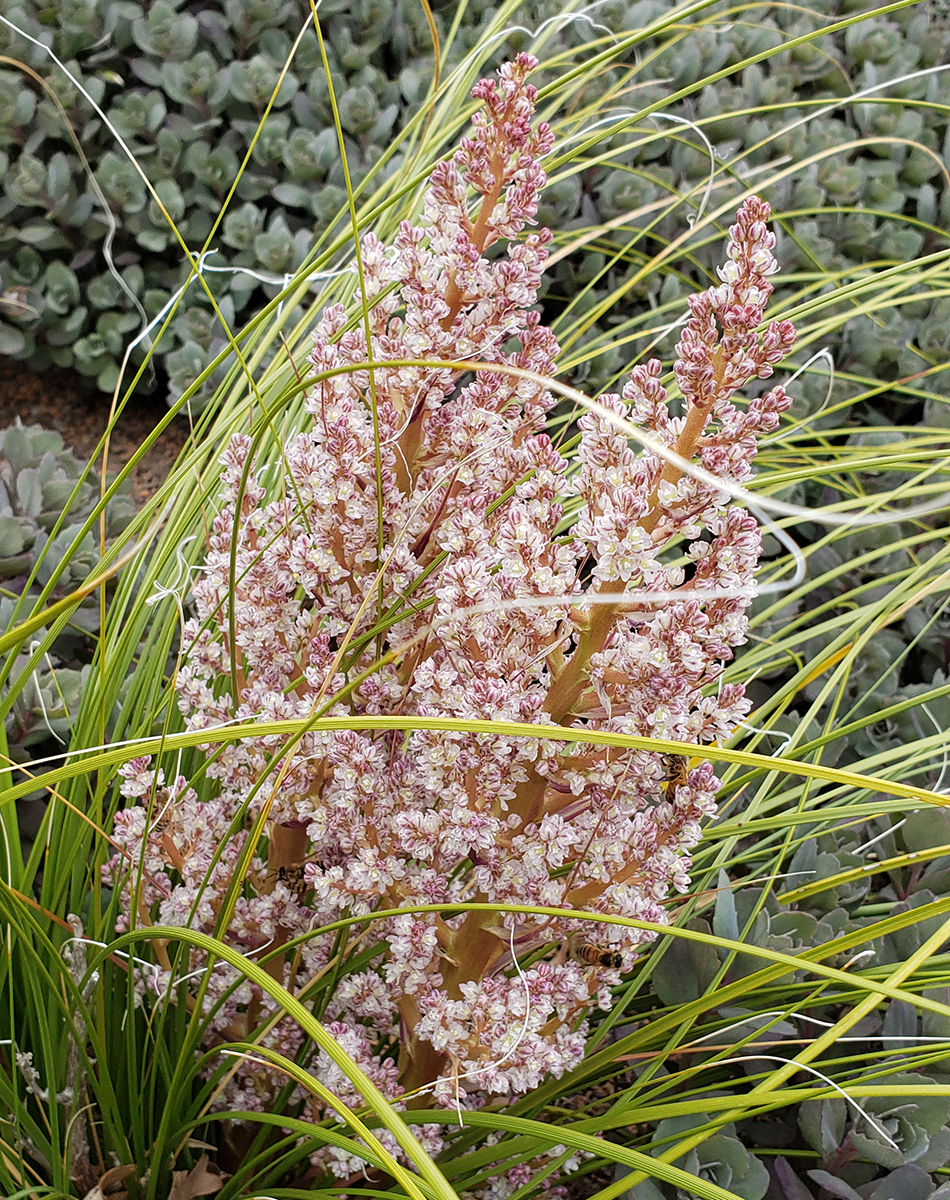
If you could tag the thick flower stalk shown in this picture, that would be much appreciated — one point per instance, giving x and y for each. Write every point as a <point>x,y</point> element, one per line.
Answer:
<point>415,563</point>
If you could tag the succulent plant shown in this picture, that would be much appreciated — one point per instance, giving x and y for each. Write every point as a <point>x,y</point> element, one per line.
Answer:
<point>892,1135</point>
<point>721,1158</point>
<point>38,476</point>
<point>186,90</point>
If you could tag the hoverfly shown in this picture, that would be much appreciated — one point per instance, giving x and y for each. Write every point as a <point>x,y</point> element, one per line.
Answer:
<point>163,827</point>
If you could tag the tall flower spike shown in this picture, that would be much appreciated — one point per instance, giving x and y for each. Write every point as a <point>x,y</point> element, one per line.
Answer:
<point>481,614</point>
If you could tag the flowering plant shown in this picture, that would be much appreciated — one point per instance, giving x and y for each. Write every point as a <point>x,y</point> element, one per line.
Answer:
<point>419,562</point>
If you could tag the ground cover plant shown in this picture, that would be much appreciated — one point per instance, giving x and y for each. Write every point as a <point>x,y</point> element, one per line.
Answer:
<point>88,260</point>
<point>343,808</point>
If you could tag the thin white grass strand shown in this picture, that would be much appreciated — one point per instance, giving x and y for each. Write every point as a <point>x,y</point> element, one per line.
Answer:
<point>109,216</point>
<point>744,1058</point>
<point>567,18</point>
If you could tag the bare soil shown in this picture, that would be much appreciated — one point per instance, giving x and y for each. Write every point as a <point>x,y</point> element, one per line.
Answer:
<point>61,400</point>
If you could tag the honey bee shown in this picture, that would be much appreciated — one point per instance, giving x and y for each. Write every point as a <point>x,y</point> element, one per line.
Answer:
<point>676,772</point>
<point>164,808</point>
<point>164,829</point>
<point>596,956</point>
<point>292,877</point>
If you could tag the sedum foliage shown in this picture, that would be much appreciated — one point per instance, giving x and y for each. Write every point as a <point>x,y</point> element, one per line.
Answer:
<point>48,548</point>
<point>88,254</point>
<point>46,496</point>
<point>186,90</point>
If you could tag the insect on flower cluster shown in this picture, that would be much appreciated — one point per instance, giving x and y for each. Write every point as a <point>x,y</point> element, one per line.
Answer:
<point>419,560</point>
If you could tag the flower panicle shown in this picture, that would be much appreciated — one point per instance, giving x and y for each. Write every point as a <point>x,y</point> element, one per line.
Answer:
<point>720,350</point>
<point>471,600</point>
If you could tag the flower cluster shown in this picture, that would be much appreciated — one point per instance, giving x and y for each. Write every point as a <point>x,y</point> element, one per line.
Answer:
<point>432,554</point>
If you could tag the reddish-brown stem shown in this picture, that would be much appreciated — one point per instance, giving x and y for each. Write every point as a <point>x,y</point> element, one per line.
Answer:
<point>472,951</point>
<point>487,207</point>
<point>411,437</point>
<point>424,1064</point>
<point>571,681</point>
<point>685,447</point>
<point>569,684</point>
<point>287,847</point>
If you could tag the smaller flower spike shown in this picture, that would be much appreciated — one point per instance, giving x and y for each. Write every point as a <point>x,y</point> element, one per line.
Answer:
<point>416,563</point>
<point>711,365</point>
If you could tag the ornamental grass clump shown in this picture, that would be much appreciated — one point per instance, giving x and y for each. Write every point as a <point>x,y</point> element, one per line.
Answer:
<point>433,553</point>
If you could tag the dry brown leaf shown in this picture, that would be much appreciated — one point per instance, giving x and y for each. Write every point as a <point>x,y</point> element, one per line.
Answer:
<point>111,1185</point>
<point>199,1181</point>
<point>194,1144</point>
